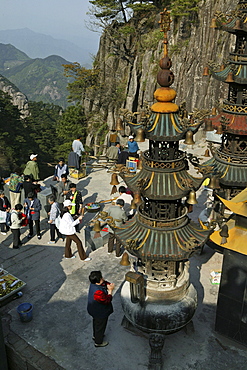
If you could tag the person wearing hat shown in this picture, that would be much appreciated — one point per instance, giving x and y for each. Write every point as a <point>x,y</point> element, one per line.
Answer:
<point>32,168</point>
<point>67,228</point>
<point>133,147</point>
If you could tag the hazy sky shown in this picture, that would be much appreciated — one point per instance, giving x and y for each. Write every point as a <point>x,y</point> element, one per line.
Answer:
<point>63,19</point>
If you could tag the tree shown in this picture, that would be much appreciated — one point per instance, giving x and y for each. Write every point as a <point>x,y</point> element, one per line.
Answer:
<point>12,128</point>
<point>71,124</point>
<point>83,79</point>
<point>120,10</point>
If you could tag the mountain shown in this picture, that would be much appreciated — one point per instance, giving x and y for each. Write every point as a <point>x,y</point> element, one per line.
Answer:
<point>38,45</point>
<point>39,79</point>
<point>11,57</point>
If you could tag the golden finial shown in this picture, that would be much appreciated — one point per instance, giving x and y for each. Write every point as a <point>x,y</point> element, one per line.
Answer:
<point>165,21</point>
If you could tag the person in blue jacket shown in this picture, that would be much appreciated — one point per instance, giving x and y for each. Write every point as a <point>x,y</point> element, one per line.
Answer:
<point>99,305</point>
<point>133,147</point>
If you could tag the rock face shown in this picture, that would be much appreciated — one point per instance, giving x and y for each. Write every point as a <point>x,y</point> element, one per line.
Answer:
<point>18,98</point>
<point>129,64</point>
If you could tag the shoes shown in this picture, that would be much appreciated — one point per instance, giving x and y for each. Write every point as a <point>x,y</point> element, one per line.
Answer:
<point>69,258</point>
<point>61,239</point>
<point>118,256</point>
<point>3,233</point>
<point>30,236</point>
<point>16,247</point>
<point>108,252</point>
<point>87,259</point>
<point>103,344</point>
<point>39,236</point>
<point>51,242</point>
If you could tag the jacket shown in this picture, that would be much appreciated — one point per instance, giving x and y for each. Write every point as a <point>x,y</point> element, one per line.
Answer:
<point>99,301</point>
<point>61,186</point>
<point>15,220</point>
<point>67,224</point>
<point>77,201</point>
<point>4,204</point>
<point>15,182</point>
<point>35,213</point>
<point>54,212</point>
<point>32,169</point>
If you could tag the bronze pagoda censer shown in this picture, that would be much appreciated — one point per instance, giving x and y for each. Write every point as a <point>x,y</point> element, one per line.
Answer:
<point>157,296</point>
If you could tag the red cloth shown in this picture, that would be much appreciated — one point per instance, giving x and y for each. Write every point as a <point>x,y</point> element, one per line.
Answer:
<point>102,297</point>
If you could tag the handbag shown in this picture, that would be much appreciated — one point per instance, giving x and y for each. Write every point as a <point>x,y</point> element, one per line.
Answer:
<point>58,219</point>
<point>2,217</point>
<point>57,222</point>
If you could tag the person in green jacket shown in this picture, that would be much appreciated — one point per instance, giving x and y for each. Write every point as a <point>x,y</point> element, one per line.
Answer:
<point>32,168</point>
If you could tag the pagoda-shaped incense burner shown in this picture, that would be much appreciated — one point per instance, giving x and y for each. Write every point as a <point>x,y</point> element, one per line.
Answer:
<point>158,297</point>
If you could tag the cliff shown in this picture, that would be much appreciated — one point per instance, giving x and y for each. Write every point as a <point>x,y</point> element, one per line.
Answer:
<point>128,58</point>
<point>18,98</point>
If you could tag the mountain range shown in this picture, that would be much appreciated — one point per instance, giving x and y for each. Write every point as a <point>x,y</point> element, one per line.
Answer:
<point>39,79</point>
<point>38,45</point>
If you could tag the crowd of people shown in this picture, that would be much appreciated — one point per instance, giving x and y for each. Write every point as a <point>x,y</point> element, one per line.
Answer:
<point>65,211</point>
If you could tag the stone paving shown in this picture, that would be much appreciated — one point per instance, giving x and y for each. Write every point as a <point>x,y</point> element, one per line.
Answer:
<point>60,333</point>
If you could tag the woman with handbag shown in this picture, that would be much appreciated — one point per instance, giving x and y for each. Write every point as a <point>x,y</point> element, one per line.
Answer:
<point>54,217</point>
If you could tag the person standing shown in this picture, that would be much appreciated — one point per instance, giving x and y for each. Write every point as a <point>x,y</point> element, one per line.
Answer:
<point>53,215</point>
<point>113,152</point>
<point>32,210</point>
<point>133,147</point>
<point>32,168</point>
<point>15,226</point>
<point>4,208</point>
<point>60,169</point>
<point>119,217</point>
<point>62,190</point>
<point>29,186</point>
<point>67,228</point>
<point>77,204</point>
<point>78,148</point>
<point>15,185</point>
<point>99,305</point>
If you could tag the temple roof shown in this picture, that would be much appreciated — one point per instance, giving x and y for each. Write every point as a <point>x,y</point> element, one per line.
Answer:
<point>231,174</point>
<point>236,241</point>
<point>240,208</point>
<point>165,180</point>
<point>239,77</point>
<point>237,122</point>
<point>165,127</point>
<point>173,239</point>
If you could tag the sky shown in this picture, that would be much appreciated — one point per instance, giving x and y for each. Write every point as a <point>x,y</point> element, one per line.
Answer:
<point>63,19</point>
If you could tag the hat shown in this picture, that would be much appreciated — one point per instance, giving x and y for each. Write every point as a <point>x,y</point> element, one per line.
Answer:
<point>32,156</point>
<point>131,137</point>
<point>67,203</point>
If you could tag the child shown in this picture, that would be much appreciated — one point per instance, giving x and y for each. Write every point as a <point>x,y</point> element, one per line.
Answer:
<point>53,215</point>
<point>15,226</point>
<point>4,208</point>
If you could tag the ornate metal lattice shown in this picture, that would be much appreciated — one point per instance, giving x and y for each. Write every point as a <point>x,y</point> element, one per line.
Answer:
<point>234,146</point>
<point>163,150</point>
<point>162,210</point>
<point>241,45</point>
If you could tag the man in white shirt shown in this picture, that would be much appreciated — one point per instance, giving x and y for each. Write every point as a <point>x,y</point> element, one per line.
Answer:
<point>78,147</point>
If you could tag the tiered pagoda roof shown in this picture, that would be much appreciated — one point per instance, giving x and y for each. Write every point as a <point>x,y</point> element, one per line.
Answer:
<point>163,180</point>
<point>230,160</point>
